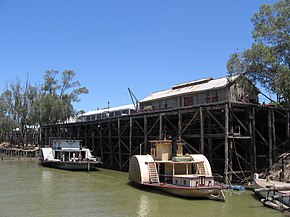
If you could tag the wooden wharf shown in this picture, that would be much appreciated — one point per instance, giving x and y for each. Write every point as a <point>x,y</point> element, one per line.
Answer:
<point>238,138</point>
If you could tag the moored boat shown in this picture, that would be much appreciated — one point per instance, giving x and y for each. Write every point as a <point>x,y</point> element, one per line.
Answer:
<point>69,155</point>
<point>186,176</point>
<point>274,194</point>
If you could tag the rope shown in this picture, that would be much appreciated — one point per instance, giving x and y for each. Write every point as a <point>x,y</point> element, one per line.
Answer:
<point>234,144</point>
<point>234,173</point>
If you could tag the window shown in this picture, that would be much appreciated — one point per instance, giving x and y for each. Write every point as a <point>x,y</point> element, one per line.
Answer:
<point>215,96</point>
<point>197,99</point>
<point>118,113</point>
<point>165,103</point>
<point>188,101</point>
<point>207,99</point>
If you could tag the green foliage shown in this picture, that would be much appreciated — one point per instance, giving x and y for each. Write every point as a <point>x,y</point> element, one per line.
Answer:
<point>267,61</point>
<point>50,103</point>
<point>54,103</point>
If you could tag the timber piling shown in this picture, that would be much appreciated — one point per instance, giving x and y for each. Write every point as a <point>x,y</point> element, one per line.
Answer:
<point>237,138</point>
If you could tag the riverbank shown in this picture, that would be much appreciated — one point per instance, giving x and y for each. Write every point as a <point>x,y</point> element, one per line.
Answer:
<point>7,151</point>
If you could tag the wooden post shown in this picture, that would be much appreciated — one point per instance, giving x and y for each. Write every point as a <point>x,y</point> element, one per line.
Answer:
<point>93,140</point>
<point>274,135</point>
<point>226,166</point>
<point>130,137</point>
<point>288,128</point>
<point>179,125</point>
<point>110,143</point>
<point>270,138</point>
<point>201,149</point>
<point>232,141</point>
<point>101,141</point>
<point>119,144</point>
<point>253,142</point>
<point>145,135</point>
<point>209,140</point>
<point>160,126</point>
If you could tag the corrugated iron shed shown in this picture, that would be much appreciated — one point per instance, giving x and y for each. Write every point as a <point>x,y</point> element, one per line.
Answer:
<point>190,87</point>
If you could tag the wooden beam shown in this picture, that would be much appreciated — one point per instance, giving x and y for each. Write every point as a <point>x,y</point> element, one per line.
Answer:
<point>254,148</point>
<point>270,138</point>
<point>179,125</point>
<point>274,134</point>
<point>160,125</point>
<point>130,136</point>
<point>119,144</point>
<point>216,120</point>
<point>201,130</point>
<point>241,123</point>
<point>209,140</point>
<point>288,128</point>
<point>226,150</point>
<point>145,134</point>
<point>191,120</point>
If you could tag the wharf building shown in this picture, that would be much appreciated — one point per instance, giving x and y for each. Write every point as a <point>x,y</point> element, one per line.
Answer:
<point>220,118</point>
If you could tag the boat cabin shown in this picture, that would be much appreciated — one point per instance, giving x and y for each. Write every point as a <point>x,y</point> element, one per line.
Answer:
<point>65,150</point>
<point>165,166</point>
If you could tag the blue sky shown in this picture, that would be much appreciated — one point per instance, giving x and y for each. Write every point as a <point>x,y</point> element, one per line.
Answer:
<point>147,45</point>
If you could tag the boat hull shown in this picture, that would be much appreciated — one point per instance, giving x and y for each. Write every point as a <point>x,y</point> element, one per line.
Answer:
<point>73,166</point>
<point>272,192</point>
<point>213,192</point>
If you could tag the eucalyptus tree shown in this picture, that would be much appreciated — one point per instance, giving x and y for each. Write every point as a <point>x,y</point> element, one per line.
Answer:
<point>267,62</point>
<point>23,106</point>
<point>15,106</point>
<point>6,117</point>
<point>55,101</point>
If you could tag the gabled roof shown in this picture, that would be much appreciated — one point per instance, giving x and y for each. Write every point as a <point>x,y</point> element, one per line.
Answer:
<point>191,87</point>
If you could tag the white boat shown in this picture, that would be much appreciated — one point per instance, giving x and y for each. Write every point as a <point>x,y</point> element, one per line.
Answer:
<point>274,194</point>
<point>186,176</point>
<point>69,155</point>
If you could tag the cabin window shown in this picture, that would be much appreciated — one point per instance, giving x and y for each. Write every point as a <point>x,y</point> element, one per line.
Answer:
<point>188,101</point>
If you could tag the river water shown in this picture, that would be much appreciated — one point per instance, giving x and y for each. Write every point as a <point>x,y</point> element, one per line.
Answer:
<point>28,189</point>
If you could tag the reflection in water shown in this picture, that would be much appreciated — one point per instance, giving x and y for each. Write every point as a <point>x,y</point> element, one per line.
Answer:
<point>144,206</point>
<point>28,189</point>
<point>46,177</point>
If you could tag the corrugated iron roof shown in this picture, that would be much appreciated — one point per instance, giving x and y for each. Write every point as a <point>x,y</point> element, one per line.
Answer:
<point>122,107</point>
<point>190,87</point>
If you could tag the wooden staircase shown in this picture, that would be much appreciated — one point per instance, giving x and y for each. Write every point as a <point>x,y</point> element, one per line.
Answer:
<point>154,177</point>
<point>201,168</point>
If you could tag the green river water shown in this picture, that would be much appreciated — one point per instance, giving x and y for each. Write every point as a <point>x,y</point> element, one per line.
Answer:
<point>28,189</point>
